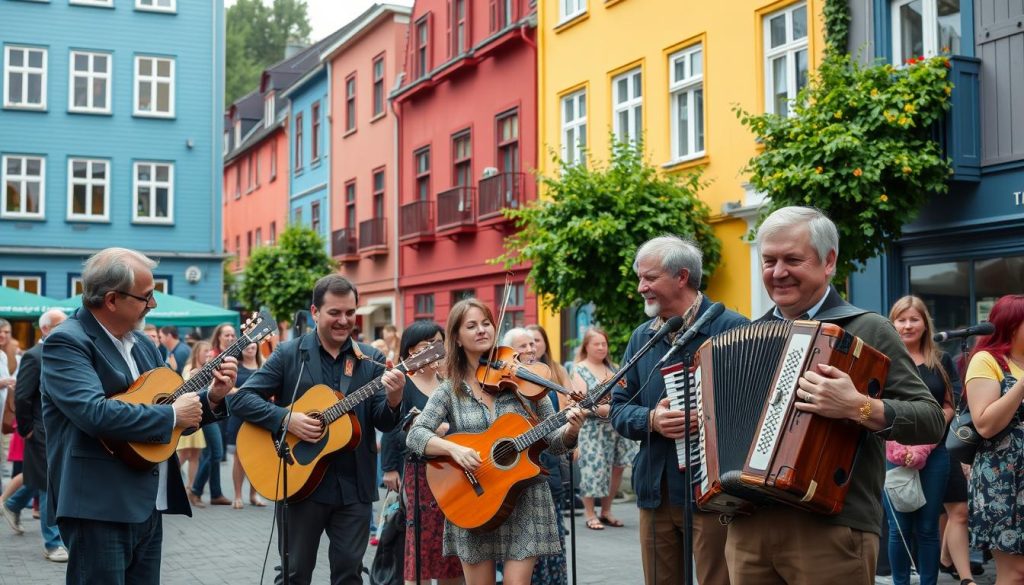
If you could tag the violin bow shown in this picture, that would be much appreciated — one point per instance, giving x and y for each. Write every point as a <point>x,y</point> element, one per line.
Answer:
<point>501,320</point>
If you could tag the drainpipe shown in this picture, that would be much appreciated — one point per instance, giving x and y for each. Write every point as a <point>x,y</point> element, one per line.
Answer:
<point>399,312</point>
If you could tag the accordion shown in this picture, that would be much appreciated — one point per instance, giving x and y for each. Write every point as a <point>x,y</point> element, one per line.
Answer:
<point>754,446</point>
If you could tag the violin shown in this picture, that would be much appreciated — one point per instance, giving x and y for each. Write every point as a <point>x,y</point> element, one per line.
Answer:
<point>501,370</point>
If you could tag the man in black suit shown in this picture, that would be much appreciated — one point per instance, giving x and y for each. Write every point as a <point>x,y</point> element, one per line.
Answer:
<point>341,504</point>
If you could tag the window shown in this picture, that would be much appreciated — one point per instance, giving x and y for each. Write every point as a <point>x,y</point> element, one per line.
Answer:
<point>457,22</point>
<point>574,128</point>
<point>298,216</point>
<point>350,205</point>
<point>29,284</point>
<point>162,285</point>
<point>107,3</point>
<point>76,287</point>
<point>268,110</point>
<point>378,86</point>
<point>686,86</point>
<point>462,294</point>
<point>462,153</point>
<point>378,193</point>
<point>273,233</point>
<point>24,187</point>
<point>238,180</point>
<point>314,134</point>
<point>628,106</point>
<point>298,143</point>
<point>924,28</point>
<point>238,251</point>
<point>508,142</point>
<point>25,80</point>
<point>227,143</point>
<point>256,173</point>
<point>515,311</point>
<point>248,174</point>
<point>259,237</point>
<point>153,185</point>
<point>424,307</point>
<point>785,57</point>
<point>273,160</point>
<point>156,5</point>
<point>422,47</point>
<point>422,158</point>
<point>314,216</point>
<point>350,103</point>
<point>154,87</point>
<point>89,90</point>
<point>248,244</point>
<point>88,189</point>
<point>238,133</point>
<point>571,8</point>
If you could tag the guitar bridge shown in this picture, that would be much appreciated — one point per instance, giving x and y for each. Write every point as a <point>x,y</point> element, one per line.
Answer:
<point>477,488</point>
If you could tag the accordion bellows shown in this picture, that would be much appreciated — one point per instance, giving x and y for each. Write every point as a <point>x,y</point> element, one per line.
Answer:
<point>756,448</point>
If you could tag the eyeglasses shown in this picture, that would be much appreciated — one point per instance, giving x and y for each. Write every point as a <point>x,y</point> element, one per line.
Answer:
<point>146,299</point>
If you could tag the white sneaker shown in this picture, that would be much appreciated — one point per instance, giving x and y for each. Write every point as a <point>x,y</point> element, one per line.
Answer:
<point>12,518</point>
<point>883,580</point>
<point>57,555</point>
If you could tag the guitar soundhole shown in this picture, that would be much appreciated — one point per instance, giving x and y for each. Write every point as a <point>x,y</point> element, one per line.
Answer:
<point>504,454</point>
<point>163,399</point>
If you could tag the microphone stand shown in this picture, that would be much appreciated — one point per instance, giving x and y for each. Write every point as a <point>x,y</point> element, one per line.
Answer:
<point>284,453</point>
<point>416,543</point>
<point>688,490</point>
<point>572,515</point>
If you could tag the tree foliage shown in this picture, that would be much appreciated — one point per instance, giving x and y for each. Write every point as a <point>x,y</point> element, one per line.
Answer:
<point>581,240</point>
<point>859,146</point>
<point>837,24</point>
<point>281,277</point>
<point>257,35</point>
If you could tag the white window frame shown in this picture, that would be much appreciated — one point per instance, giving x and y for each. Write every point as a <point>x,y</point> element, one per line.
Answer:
<point>687,86</point>
<point>162,285</point>
<point>99,3</point>
<point>268,110</point>
<point>154,80</point>
<point>929,33</point>
<point>628,103</point>
<point>21,279</point>
<point>570,9</point>
<point>23,178</point>
<point>572,153</point>
<point>153,184</point>
<point>788,50</point>
<point>73,286</point>
<point>90,77</point>
<point>24,70</point>
<point>173,8</point>
<point>89,182</point>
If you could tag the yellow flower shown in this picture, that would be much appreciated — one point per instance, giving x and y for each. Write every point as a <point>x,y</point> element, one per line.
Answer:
<point>907,170</point>
<point>949,90</point>
<point>874,92</point>
<point>857,172</point>
<point>819,170</point>
<point>838,115</point>
<point>904,121</point>
<point>883,198</point>
<point>909,108</point>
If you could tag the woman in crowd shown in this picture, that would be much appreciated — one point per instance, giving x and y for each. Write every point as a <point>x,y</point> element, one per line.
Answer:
<point>914,324</point>
<point>250,361</point>
<point>604,454</point>
<point>209,465</point>
<point>389,334</point>
<point>558,373</point>
<point>995,391</point>
<point>401,474</point>
<point>531,529</point>
<point>190,447</point>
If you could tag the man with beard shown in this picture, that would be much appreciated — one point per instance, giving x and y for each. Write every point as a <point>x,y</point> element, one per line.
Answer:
<point>669,269</point>
<point>329,355</point>
<point>109,514</point>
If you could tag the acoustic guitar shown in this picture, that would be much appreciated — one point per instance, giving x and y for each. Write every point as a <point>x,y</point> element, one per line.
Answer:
<point>164,386</point>
<point>257,447</point>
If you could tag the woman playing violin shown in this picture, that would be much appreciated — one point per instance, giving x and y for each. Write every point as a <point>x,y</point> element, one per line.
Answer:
<point>531,529</point>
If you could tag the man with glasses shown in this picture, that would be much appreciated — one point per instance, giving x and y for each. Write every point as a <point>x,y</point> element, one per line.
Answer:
<point>109,514</point>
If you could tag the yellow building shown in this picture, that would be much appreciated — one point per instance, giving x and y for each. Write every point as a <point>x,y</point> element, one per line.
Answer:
<point>673,71</point>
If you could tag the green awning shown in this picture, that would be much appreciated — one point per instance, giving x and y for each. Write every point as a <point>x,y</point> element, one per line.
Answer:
<point>15,304</point>
<point>177,311</point>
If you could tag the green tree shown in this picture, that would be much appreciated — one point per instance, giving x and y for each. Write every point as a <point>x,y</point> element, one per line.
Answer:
<point>582,240</point>
<point>256,38</point>
<point>281,277</point>
<point>859,146</point>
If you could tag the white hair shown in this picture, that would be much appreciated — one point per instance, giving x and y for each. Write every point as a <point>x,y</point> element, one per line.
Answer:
<point>676,254</point>
<point>823,233</point>
<point>112,269</point>
<point>46,320</point>
<point>512,334</point>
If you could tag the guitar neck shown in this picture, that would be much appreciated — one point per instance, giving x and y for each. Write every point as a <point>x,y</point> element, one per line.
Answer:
<point>345,405</point>
<point>202,378</point>
<point>553,423</point>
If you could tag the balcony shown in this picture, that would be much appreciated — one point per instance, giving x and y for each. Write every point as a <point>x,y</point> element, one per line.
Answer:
<point>373,237</point>
<point>959,133</point>
<point>499,192</point>
<point>343,245</point>
<point>415,224</point>
<point>455,214</point>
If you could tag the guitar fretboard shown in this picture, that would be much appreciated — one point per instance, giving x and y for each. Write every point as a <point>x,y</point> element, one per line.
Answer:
<point>204,376</point>
<point>345,405</point>
<point>553,423</point>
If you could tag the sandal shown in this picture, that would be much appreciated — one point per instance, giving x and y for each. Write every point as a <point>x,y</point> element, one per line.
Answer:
<point>257,501</point>
<point>237,504</point>
<point>611,521</point>
<point>594,524</point>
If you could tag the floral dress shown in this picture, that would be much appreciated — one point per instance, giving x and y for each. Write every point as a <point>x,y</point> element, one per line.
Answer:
<point>601,448</point>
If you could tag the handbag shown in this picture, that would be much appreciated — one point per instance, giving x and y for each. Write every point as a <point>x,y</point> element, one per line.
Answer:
<point>7,424</point>
<point>388,567</point>
<point>903,486</point>
<point>963,439</point>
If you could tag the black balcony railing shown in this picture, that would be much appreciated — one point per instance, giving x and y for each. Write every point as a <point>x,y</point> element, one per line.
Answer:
<point>343,242</point>
<point>373,233</point>
<point>455,208</point>
<point>501,191</point>
<point>415,220</point>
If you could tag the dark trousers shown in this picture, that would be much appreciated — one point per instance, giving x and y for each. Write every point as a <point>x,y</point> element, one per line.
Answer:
<point>209,462</point>
<point>348,530</point>
<point>113,553</point>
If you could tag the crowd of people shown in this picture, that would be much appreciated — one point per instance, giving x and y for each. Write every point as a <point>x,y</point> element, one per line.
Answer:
<point>98,352</point>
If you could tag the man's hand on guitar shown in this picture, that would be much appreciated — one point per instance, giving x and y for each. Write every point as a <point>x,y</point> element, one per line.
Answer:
<point>394,381</point>
<point>188,411</point>
<point>391,480</point>
<point>669,423</point>
<point>223,379</point>
<point>465,457</point>
<point>305,427</point>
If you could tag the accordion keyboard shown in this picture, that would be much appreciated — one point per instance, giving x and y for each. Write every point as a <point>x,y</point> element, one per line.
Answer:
<point>675,387</point>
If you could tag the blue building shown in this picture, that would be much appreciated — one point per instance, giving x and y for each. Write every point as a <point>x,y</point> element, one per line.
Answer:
<point>110,135</point>
<point>966,248</point>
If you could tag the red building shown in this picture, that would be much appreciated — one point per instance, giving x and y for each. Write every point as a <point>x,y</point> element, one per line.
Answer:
<point>467,146</point>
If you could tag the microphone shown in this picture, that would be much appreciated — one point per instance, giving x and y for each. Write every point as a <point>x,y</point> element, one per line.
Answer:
<point>983,328</point>
<point>710,315</point>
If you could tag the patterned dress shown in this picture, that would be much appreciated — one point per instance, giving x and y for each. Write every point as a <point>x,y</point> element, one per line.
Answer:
<point>433,564</point>
<point>997,475</point>
<point>601,448</point>
<point>532,528</point>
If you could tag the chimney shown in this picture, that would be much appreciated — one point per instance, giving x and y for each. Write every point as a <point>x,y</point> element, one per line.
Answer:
<point>294,47</point>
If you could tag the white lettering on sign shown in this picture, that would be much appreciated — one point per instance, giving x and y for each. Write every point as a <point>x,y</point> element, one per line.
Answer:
<point>1017,196</point>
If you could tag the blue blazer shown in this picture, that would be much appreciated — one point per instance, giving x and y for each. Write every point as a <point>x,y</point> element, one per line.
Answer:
<point>81,369</point>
